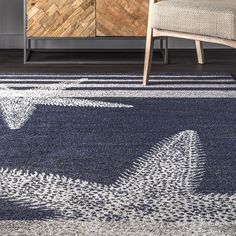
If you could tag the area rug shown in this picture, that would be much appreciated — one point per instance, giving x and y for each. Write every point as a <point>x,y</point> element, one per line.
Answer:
<point>104,155</point>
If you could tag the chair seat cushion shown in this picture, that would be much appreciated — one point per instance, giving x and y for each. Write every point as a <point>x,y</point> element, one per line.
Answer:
<point>215,18</point>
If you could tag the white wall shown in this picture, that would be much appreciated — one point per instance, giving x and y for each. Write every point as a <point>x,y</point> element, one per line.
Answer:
<point>11,33</point>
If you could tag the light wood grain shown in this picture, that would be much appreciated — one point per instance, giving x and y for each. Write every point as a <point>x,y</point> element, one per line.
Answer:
<point>198,39</point>
<point>148,56</point>
<point>202,38</point>
<point>61,18</point>
<point>121,17</point>
<point>200,52</point>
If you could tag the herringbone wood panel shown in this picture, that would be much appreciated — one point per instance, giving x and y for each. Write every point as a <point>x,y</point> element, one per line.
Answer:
<point>61,18</point>
<point>121,17</point>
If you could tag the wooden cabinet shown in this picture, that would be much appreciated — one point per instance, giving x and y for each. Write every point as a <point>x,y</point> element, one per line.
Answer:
<point>60,18</point>
<point>86,18</point>
<point>121,17</point>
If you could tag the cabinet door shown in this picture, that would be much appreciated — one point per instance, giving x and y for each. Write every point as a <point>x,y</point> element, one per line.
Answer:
<point>60,18</point>
<point>121,17</point>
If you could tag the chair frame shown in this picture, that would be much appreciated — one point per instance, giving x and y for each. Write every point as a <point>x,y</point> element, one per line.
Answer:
<point>153,33</point>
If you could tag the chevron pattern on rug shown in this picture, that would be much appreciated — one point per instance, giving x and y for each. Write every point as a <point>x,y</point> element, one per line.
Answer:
<point>161,186</point>
<point>104,155</point>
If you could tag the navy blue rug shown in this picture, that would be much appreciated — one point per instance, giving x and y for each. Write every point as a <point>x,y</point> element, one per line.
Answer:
<point>102,153</point>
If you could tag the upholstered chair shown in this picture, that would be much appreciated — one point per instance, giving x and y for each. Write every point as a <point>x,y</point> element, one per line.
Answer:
<point>200,20</point>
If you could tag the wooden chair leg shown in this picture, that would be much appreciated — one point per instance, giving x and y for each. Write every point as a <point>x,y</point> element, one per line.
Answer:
<point>200,52</point>
<point>148,56</point>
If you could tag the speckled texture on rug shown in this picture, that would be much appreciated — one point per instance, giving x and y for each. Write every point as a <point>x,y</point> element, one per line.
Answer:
<point>103,155</point>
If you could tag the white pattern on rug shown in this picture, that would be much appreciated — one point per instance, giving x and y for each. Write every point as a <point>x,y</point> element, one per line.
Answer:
<point>161,186</point>
<point>130,86</point>
<point>17,106</point>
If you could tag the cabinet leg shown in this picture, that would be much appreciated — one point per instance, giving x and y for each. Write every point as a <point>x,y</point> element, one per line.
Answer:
<point>27,50</point>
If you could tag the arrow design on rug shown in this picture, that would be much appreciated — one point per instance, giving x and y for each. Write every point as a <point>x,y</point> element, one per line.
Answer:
<point>161,186</point>
<point>17,106</point>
